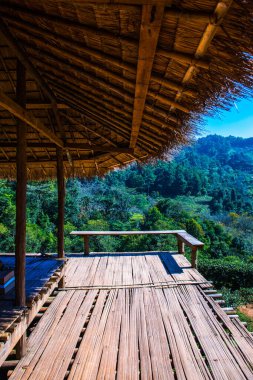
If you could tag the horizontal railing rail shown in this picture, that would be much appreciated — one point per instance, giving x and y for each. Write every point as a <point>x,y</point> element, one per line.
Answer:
<point>183,238</point>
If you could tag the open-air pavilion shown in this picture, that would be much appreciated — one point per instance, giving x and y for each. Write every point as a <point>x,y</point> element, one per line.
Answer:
<point>87,86</point>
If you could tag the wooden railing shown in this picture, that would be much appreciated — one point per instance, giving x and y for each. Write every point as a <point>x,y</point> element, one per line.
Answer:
<point>182,236</point>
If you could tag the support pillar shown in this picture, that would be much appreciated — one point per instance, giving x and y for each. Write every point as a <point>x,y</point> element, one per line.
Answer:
<point>194,257</point>
<point>21,167</point>
<point>21,192</point>
<point>61,201</point>
<point>180,245</point>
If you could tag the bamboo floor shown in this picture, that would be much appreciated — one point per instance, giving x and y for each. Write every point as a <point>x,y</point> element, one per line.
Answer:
<point>136,316</point>
<point>42,277</point>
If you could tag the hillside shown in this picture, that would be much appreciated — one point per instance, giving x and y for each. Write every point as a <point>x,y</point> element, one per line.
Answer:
<point>206,189</point>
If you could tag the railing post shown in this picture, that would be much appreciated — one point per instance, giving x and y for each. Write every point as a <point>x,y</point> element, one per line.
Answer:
<point>180,245</point>
<point>194,257</point>
<point>86,245</point>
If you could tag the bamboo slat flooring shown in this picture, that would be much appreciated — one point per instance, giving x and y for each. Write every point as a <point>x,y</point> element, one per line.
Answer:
<point>38,270</point>
<point>136,316</point>
<point>42,276</point>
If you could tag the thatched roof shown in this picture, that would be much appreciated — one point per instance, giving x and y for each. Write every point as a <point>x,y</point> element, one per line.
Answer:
<point>114,81</point>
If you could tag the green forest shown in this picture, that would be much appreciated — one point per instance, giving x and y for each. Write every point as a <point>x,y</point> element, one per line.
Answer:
<point>207,189</point>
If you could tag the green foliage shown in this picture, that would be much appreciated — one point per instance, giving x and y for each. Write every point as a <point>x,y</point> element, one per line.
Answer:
<point>235,298</point>
<point>245,318</point>
<point>206,189</point>
<point>232,273</point>
<point>194,228</point>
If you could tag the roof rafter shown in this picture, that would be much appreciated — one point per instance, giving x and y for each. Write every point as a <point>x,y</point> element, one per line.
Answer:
<point>40,81</point>
<point>178,56</point>
<point>31,28</point>
<point>149,33</point>
<point>44,106</point>
<point>207,37</point>
<point>81,146</point>
<point>19,112</point>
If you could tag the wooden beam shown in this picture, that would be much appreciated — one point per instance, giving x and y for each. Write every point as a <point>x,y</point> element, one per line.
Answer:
<point>96,133</point>
<point>45,106</point>
<point>61,202</point>
<point>53,161</point>
<point>18,51</point>
<point>21,162</point>
<point>19,112</point>
<point>58,50</point>
<point>38,78</point>
<point>32,28</point>
<point>149,33</point>
<point>178,56</point>
<point>206,39</point>
<point>123,2</point>
<point>79,146</point>
<point>99,148</point>
<point>111,126</point>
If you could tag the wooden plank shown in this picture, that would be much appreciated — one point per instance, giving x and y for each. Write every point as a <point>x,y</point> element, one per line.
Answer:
<point>128,367</point>
<point>187,358</point>
<point>15,321</point>
<point>189,239</point>
<point>151,21</point>
<point>108,363</point>
<point>118,233</point>
<point>223,356</point>
<point>41,336</point>
<point>13,339</point>
<point>57,354</point>
<point>159,349</point>
<point>143,341</point>
<point>85,365</point>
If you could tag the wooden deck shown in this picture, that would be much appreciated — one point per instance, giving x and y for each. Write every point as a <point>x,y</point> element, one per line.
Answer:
<point>42,277</point>
<point>136,316</point>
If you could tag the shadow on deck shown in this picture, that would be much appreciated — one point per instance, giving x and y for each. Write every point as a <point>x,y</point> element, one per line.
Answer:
<point>42,277</point>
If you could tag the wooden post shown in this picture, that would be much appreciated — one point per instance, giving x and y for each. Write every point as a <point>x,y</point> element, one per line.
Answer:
<point>61,201</point>
<point>86,245</point>
<point>180,245</point>
<point>194,257</point>
<point>21,192</point>
<point>20,249</point>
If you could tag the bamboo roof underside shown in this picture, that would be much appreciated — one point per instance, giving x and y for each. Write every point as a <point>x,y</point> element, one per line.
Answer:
<point>110,82</point>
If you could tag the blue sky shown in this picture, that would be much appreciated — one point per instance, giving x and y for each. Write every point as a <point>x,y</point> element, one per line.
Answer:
<point>236,122</point>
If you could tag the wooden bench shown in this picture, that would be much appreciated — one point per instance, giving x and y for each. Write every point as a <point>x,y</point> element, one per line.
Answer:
<point>182,236</point>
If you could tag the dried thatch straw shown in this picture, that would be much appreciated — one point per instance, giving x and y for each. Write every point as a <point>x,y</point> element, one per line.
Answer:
<point>113,83</point>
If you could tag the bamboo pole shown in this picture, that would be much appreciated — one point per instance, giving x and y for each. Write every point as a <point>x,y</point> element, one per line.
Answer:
<point>108,99</point>
<point>220,12</point>
<point>106,58</point>
<point>181,57</point>
<point>90,110</point>
<point>117,113</point>
<point>21,191</point>
<point>61,201</point>
<point>21,162</point>
<point>115,126</point>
